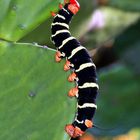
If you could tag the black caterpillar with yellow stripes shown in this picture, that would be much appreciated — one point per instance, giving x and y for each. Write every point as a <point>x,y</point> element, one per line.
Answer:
<point>81,65</point>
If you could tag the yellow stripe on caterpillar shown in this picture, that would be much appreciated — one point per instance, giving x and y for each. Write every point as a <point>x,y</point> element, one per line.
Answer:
<point>89,85</point>
<point>66,11</point>
<point>61,24</point>
<point>75,51</point>
<point>85,105</point>
<point>65,41</point>
<point>83,66</point>
<point>60,16</point>
<point>60,31</point>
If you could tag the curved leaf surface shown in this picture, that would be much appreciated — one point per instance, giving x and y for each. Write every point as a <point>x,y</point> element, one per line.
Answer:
<point>118,102</point>
<point>18,17</point>
<point>126,5</point>
<point>33,94</point>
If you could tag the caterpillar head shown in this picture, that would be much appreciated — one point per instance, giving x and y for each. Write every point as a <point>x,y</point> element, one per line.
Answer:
<point>74,6</point>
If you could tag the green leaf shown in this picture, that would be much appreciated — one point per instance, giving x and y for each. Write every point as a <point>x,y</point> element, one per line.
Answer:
<point>33,93</point>
<point>131,57</point>
<point>127,46</point>
<point>131,5</point>
<point>128,38</point>
<point>118,102</point>
<point>115,21</point>
<point>19,17</point>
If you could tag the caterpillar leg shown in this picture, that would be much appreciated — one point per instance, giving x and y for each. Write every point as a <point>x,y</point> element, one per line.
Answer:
<point>60,5</point>
<point>73,92</point>
<point>58,56</point>
<point>73,132</point>
<point>67,65</point>
<point>72,77</point>
<point>53,14</point>
<point>88,123</point>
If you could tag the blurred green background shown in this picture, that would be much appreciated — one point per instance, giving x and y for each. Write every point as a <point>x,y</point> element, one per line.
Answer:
<point>33,88</point>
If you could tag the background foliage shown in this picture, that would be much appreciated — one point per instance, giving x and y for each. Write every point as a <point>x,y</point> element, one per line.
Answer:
<point>33,88</point>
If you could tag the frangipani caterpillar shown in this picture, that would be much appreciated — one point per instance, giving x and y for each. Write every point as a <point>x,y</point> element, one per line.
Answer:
<point>82,66</point>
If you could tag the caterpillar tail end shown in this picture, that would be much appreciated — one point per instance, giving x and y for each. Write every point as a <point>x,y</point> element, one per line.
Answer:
<point>73,92</point>
<point>69,128</point>
<point>72,131</point>
<point>72,77</point>
<point>78,132</point>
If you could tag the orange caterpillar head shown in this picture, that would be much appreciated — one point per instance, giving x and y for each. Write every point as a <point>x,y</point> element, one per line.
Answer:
<point>74,6</point>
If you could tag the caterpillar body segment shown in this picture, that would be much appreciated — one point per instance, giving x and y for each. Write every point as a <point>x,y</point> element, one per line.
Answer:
<point>83,69</point>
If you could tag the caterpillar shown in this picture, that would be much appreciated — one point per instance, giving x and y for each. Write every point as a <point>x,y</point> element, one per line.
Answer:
<point>83,70</point>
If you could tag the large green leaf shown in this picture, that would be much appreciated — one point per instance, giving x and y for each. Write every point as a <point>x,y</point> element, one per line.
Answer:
<point>18,17</point>
<point>118,101</point>
<point>131,5</point>
<point>33,94</point>
<point>131,57</point>
<point>127,38</point>
<point>127,46</point>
